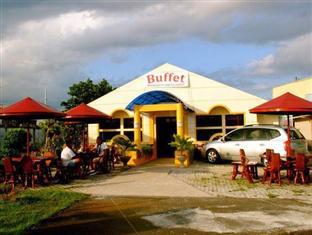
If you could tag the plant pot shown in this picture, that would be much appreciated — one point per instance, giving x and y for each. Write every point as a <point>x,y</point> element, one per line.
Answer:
<point>181,159</point>
<point>124,160</point>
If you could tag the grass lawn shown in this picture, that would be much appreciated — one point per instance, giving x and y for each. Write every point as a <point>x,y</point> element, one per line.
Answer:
<point>29,207</point>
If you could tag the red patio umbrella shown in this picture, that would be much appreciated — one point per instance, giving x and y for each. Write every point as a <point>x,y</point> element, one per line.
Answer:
<point>286,104</point>
<point>29,109</point>
<point>85,114</point>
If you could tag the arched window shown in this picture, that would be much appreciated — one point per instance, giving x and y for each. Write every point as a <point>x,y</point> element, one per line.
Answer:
<point>218,122</point>
<point>120,124</point>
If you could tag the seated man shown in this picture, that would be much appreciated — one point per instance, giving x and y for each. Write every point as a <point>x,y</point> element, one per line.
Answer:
<point>69,158</point>
<point>99,151</point>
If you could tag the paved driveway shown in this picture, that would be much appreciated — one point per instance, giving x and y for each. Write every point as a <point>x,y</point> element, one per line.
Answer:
<point>158,198</point>
<point>152,179</point>
<point>161,178</point>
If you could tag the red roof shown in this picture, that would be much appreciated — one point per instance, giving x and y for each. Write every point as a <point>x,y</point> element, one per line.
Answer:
<point>29,108</point>
<point>85,113</point>
<point>285,104</point>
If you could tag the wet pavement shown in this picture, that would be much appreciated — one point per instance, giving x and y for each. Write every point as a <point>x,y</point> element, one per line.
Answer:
<point>134,215</point>
<point>158,198</point>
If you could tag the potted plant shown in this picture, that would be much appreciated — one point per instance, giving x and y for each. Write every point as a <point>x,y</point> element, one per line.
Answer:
<point>147,149</point>
<point>184,150</point>
<point>124,144</point>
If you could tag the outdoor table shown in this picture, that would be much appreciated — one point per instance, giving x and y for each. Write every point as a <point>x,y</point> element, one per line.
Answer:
<point>39,164</point>
<point>86,158</point>
<point>309,159</point>
<point>252,165</point>
<point>16,161</point>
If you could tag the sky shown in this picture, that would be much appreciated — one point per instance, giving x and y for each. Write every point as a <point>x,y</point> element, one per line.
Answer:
<point>52,44</point>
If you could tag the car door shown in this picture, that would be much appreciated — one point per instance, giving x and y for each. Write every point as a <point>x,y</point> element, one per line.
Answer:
<point>232,142</point>
<point>256,142</point>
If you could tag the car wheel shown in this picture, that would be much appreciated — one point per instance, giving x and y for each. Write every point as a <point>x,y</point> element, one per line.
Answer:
<point>212,156</point>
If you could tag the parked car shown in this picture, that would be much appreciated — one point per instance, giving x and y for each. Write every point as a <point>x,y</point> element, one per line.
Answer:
<point>254,139</point>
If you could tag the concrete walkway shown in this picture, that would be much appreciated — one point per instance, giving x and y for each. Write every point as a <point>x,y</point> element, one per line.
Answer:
<point>161,179</point>
<point>152,179</point>
<point>158,198</point>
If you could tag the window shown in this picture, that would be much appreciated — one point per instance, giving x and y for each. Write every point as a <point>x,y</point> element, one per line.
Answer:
<point>129,134</point>
<point>235,135</point>
<point>108,135</point>
<point>208,120</point>
<point>128,123</point>
<point>206,134</point>
<point>110,124</point>
<point>274,133</point>
<point>295,135</point>
<point>257,134</point>
<point>234,120</point>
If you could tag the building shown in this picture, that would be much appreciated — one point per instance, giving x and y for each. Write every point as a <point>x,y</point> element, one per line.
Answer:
<point>168,100</point>
<point>303,89</point>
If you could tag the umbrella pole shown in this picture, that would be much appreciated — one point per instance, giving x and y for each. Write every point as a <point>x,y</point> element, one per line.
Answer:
<point>27,141</point>
<point>288,137</point>
<point>84,138</point>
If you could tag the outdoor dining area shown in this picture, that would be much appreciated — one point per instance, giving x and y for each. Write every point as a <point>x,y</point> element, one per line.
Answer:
<point>295,166</point>
<point>30,167</point>
<point>67,157</point>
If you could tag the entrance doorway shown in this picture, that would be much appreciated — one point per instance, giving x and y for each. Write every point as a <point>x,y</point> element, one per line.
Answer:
<point>165,128</point>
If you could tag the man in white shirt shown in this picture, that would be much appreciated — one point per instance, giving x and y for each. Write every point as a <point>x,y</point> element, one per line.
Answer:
<point>68,156</point>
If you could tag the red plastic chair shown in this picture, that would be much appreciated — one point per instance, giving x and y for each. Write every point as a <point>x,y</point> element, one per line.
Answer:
<point>245,167</point>
<point>300,168</point>
<point>104,162</point>
<point>28,171</point>
<point>245,172</point>
<point>9,172</point>
<point>2,174</point>
<point>267,167</point>
<point>275,168</point>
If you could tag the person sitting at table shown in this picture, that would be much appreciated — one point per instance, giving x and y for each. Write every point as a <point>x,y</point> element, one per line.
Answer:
<point>69,158</point>
<point>99,152</point>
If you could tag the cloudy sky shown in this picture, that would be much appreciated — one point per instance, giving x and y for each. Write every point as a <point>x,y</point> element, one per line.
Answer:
<point>251,45</point>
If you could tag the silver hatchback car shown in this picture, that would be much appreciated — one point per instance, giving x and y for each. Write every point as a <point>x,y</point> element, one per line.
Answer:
<point>254,139</point>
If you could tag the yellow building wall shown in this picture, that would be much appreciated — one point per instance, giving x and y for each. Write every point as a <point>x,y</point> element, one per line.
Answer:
<point>93,133</point>
<point>303,89</point>
<point>305,127</point>
<point>202,95</point>
<point>300,88</point>
<point>267,119</point>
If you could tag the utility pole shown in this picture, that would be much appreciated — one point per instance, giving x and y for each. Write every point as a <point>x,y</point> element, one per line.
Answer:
<point>1,89</point>
<point>45,96</point>
<point>1,53</point>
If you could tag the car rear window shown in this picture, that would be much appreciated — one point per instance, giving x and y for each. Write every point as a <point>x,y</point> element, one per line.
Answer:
<point>256,134</point>
<point>274,133</point>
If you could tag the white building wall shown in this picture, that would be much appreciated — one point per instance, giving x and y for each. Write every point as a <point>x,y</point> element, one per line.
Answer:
<point>202,95</point>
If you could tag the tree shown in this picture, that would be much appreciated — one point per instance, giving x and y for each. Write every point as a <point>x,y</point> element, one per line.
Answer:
<point>14,142</point>
<point>85,92</point>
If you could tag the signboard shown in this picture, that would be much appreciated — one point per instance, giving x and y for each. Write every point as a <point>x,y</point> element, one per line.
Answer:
<point>167,79</point>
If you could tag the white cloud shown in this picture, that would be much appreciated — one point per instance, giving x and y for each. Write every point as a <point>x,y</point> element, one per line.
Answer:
<point>48,44</point>
<point>291,57</point>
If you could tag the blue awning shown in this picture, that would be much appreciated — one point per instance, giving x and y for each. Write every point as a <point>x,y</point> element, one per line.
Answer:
<point>155,97</point>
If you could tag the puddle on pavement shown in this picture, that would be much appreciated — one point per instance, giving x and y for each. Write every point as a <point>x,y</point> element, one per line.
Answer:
<point>238,222</point>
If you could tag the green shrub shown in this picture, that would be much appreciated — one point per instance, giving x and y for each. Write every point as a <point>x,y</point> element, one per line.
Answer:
<point>147,149</point>
<point>182,143</point>
<point>14,142</point>
<point>123,142</point>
